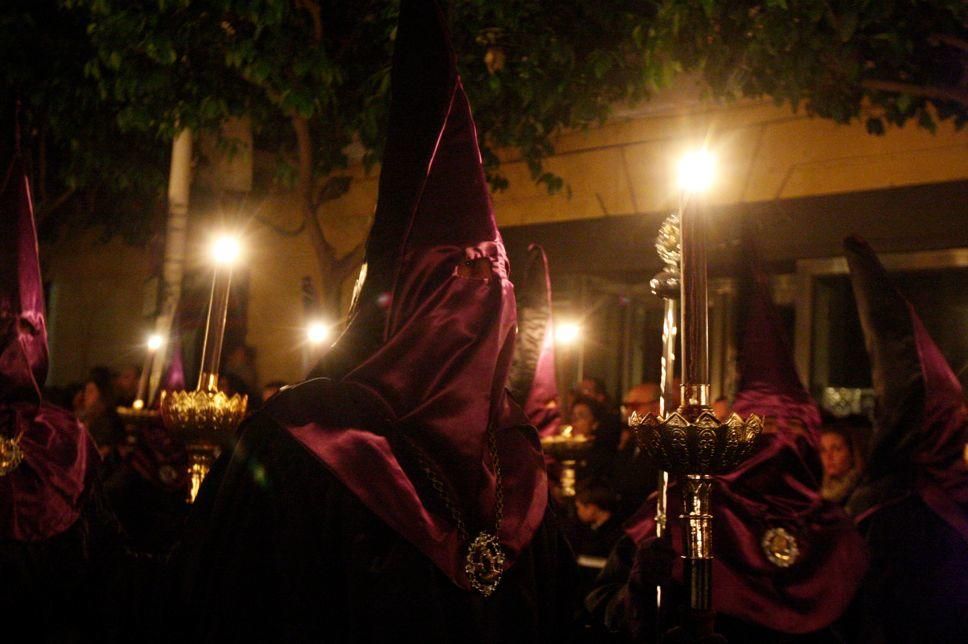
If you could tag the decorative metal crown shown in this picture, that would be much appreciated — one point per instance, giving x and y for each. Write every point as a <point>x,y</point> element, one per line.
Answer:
<point>202,416</point>
<point>705,446</point>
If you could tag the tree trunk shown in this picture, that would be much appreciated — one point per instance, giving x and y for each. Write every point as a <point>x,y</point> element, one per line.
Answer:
<point>332,270</point>
<point>176,233</point>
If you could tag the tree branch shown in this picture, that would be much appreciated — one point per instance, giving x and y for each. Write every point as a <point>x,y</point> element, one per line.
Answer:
<point>937,93</point>
<point>279,229</point>
<point>324,251</point>
<point>349,262</point>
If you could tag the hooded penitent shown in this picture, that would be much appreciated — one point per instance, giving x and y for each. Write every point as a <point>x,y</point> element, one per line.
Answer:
<point>423,364</point>
<point>921,426</point>
<point>784,558</point>
<point>41,495</point>
<point>532,380</point>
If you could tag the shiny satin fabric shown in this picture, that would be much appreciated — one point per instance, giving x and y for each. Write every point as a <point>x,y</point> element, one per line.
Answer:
<point>532,380</point>
<point>778,487</point>
<point>431,336</point>
<point>23,330</point>
<point>439,381</point>
<point>921,425</point>
<point>45,494</point>
<point>768,382</point>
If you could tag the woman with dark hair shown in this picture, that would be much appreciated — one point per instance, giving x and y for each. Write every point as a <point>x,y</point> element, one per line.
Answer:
<point>841,459</point>
<point>590,418</point>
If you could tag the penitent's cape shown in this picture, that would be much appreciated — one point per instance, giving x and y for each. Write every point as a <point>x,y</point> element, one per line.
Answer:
<point>911,503</point>
<point>773,500</point>
<point>921,426</point>
<point>43,495</point>
<point>336,516</point>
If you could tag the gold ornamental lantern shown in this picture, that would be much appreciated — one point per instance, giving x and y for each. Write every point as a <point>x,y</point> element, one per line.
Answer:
<point>206,419</point>
<point>567,448</point>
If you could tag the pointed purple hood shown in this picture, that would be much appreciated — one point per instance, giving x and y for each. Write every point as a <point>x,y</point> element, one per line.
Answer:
<point>532,380</point>
<point>23,330</point>
<point>431,337</point>
<point>776,489</point>
<point>43,495</point>
<point>768,382</point>
<point>921,425</point>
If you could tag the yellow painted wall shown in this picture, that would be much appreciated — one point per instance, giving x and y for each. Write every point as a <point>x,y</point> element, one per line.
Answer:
<point>625,167</point>
<point>277,266</point>
<point>765,152</point>
<point>96,304</point>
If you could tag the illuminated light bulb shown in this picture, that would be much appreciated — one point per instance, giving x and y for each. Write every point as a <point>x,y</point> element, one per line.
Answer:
<point>697,171</point>
<point>226,250</point>
<point>318,332</point>
<point>567,333</point>
<point>154,342</point>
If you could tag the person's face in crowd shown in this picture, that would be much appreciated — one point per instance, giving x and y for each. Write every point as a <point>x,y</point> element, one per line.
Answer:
<point>835,454</point>
<point>91,398</point>
<point>587,512</point>
<point>589,389</point>
<point>642,399</point>
<point>583,420</point>
<point>127,382</point>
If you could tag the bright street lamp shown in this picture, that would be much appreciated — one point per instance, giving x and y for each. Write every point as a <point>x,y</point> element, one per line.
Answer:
<point>226,250</point>
<point>567,333</point>
<point>318,332</point>
<point>697,171</point>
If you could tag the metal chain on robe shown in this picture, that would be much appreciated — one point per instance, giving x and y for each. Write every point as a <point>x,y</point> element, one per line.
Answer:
<point>484,562</point>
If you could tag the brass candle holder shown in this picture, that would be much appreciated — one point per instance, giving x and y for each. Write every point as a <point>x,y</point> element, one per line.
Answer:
<point>135,415</point>
<point>567,448</point>
<point>206,421</point>
<point>690,442</point>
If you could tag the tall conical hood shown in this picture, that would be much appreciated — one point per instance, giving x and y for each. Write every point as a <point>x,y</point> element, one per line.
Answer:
<point>43,494</point>
<point>769,384</point>
<point>430,343</point>
<point>23,330</point>
<point>173,378</point>
<point>921,426</point>
<point>532,381</point>
<point>775,494</point>
<point>432,188</point>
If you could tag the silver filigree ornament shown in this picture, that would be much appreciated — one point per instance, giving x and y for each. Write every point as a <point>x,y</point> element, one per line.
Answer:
<point>485,563</point>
